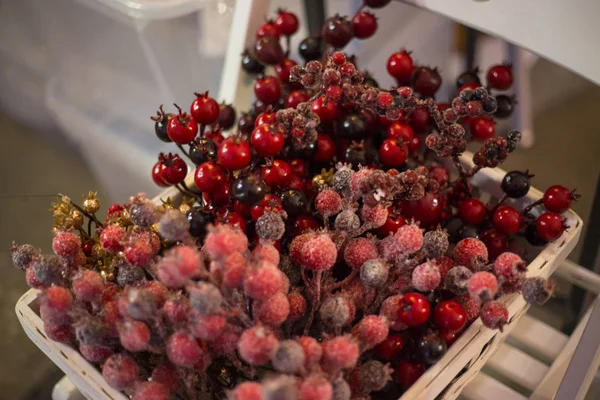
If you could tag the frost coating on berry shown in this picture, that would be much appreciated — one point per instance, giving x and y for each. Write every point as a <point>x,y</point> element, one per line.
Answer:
<point>281,387</point>
<point>176,309</point>
<point>266,252</point>
<point>178,266</point>
<point>23,255</point>
<point>139,304</point>
<point>93,331</point>
<point>112,237</point>
<point>472,253</point>
<point>257,345</point>
<point>510,267</point>
<point>470,305</point>
<point>358,251</point>
<point>312,350</point>
<point>138,252</point>
<point>247,391</point>
<point>318,253</point>
<point>227,342</point>
<point>120,371</point>
<point>457,280</point>
<point>158,290</point>
<point>315,387</point>
<point>342,179</point>
<point>409,238</point>
<point>263,281</point>
<point>388,249</point>
<point>88,286</point>
<point>205,297</point>
<point>128,275</point>
<point>183,349</point>
<point>374,217</point>
<point>273,311</point>
<point>297,306</point>
<point>60,333</point>
<point>328,203</point>
<point>339,353</point>
<point>483,286</point>
<point>134,335</point>
<point>207,327</point>
<point>444,264</point>
<point>426,277</point>
<point>234,269</point>
<point>166,375</point>
<point>347,221</point>
<point>435,243</point>
<point>494,315</point>
<point>335,312</point>
<point>224,240</point>
<point>150,391</point>
<point>47,270</point>
<point>143,212</point>
<point>173,226</point>
<point>66,244</point>
<point>374,273</point>
<point>270,226</point>
<point>58,299</point>
<point>371,331</point>
<point>537,290</point>
<point>357,179</point>
<point>95,354</point>
<point>341,389</point>
<point>373,375</point>
<point>390,309</point>
<point>289,357</point>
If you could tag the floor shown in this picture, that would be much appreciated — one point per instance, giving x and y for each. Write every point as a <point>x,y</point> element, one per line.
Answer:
<point>34,168</point>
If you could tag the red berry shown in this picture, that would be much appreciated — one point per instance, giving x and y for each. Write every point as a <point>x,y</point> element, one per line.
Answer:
<point>58,299</point>
<point>268,118</point>
<point>112,237</point>
<point>390,348</point>
<point>334,92</point>
<point>158,174</point>
<point>496,242</point>
<point>294,98</point>
<point>273,311</point>
<point>392,224</point>
<point>414,310</point>
<point>558,199</point>
<point>406,373</point>
<point>325,149</point>
<point>263,281</point>
<point>371,331</point>
<point>205,110</point>
<point>298,167</point>
<point>472,211</point>
<point>175,169</point>
<point>305,223</point>
<point>507,220</point>
<point>183,349</point>
<point>318,253</point>
<point>114,210</point>
<point>338,58</point>
<point>549,226</point>
<point>167,376</point>
<point>364,24</point>
<point>449,316</point>
<point>415,144</point>
<point>59,333</point>
<point>232,219</point>
<point>393,153</point>
<point>182,128</point>
<point>247,391</point>
<point>449,337</point>
<point>283,69</point>
<point>278,174</point>
<point>398,130</point>
<point>427,210</point>
<point>510,267</point>
<point>257,345</point>
<point>218,198</point>
<point>494,315</point>
<point>419,119</point>
<point>234,154</point>
<point>88,286</point>
<point>267,90</point>
<point>337,31</point>
<point>385,100</point>
<point>287,23</point>
<point>66,244</point>
<point>150,391</point>
<point>95,354</point>
<point>500,77</point>
<point>426,81</point>
<point>339,353</point>
<point>266,140</point>
<point>482,128</point>
<point>483,286</point>
<point>134,335</point>
<point>400,65</point>
<point>470,86</point>
<point>327,110</point>
<point>120,371</point>
<point>269,28</point>
<point>440,174</point>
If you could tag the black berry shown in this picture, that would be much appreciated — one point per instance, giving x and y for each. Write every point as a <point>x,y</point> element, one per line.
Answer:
<point>226,118</point>
<point>311,48</point>
<point>353,127</point>
<point>516,184</point>
<point>249,190</point>
<point>202,150</point>
<point>431,347</point>
<point>506,105</point>
<point>294,202</point>
<point>251,65</point>
<point>198,221</point>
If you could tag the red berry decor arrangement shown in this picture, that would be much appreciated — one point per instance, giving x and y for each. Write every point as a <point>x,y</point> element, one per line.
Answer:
<point>325,252</point>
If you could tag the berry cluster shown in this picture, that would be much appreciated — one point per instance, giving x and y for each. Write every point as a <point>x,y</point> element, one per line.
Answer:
<point>324,252</point>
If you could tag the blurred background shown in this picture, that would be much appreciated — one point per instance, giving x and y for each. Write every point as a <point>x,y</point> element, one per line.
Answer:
<point>79,80</point>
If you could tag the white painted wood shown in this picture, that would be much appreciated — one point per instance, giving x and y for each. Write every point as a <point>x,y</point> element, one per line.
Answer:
<point>517,366</point>
<point>65,390</point>
<point>538,339</point>
<point>484,387</point>
<point>564,32</point>
<point>579,276</point>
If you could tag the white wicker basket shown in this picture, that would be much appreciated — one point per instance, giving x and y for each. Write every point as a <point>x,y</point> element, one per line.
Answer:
<point>444,380</point>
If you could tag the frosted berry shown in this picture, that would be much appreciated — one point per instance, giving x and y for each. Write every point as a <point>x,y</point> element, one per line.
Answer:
<point>257,345</point>
<point>263,281</point>
<point>226,343</point>
<point>318,253</point>
<point>205,297</point>
<point>315,387</point>
<point>150,391</point>
<point>58,299</point>
<point>373,375</point>
<point>247,391</point>
<point>298,306</point>
<point>273,311</point>
<point>224,240</point>
<point>457,280</point>
<point>207,327</point>
<point>66,244</point>
<point>426,277</point>
<point>358,251</point>
<point>472,253</point>
<point>374,217</point>
<point>336,311</point>
<point>134,335</point>
<point>328,203</point>
<point>339,353</point>
<point>347,221</point>
<point>158,291</point>
<point>510,267</point>
<point>494,315</point>
<point>550,226</point>
<point>23,255</point>
<point>120,371</point>
<point>88,286</point>
<point>47,270</point>
<point>537,290</point>
<point>95,354</point>
<point>391,309</point>
<point>112,237</point>
<point>289,357</point>
<point>414,309</point>
<point>371,331</point>
<point>59,333</point>
<point>312,350</point>
<point>435,243</point>
<point>137,303</point>
<point>176,309</point>
<point>166,375</point>
<point>270,226</point>
<point>138,253</point>
<point>178,266</point>
<point>374,273</point>
<point>183,349</point>
<point>483,286</point>
<point>409,238</point>
<point>558,198</point>
<point>507,220</point>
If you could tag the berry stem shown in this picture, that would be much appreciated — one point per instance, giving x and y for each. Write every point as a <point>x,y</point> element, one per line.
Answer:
<point>90,216</point>
<point>502,200</point>
<point>183,150</point>
<point>341,284</point>
<point>527,209</point>
<point>316,288</point>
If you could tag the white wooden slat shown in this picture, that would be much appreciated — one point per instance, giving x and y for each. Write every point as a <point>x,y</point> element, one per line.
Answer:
<point>484,387</point>
<point>517,366</point>
<point>538,339</point>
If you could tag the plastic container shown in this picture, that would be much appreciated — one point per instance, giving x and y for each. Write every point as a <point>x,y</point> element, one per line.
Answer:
<point>446,378</point>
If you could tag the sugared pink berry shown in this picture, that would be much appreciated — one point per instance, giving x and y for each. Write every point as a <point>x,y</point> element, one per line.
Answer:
<point>357,178</point>
<point>319,253</point>
<point>257,345</point>
<point>337,311</point>
<point>247,391</point>
<point>470,305</point>
<point>120,371</point>
<point>176,309</point>
<point>483,286</point>
<point>289,357</point>
<point>371,331</point>
<point>138,252</point>
<point>263,281</point>
<point>426,277</point>
<point>95,354</point>
<point>358,251</point>
<point>224,240</point>
<point>58,298</point>
<point>178,266</point>
<point>167,375</point>
<point>207,327</point>
<point>510,267</point>
<point>328,203</point>
<point>472,253</point>
<point>266,252</point>
<point>315,387</point>
<point>60,333</point>
<point>339,353</point>
<point>233,270</point>
<point>494,314</point>
<point>390,308</point>
<point>444,264</point>
<point>409,238</point>
<point>226,343</point>
<point>312,350</point>
<point>273,311</point>
<point>88,286</point>
<point>112,237</point>
<point>158,290</point>
<point>297,245</point>
<point>205,298</point>
<point>183,349</point>
<point>66,244</point>
<point>374,217</point>
<point>134,335</point>
<point>150,391</point>
<point>297,306</point>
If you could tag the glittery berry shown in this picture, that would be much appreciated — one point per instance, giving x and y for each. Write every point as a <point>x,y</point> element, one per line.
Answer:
<point>347,221</point>
<point>95,354</point>
<point>167,375</point>
<point>247,391</point>
<point>289,357</point>
<point>494,314</point>
<point>390,309</point>
<point>537,290</point>
<point>371,331</point>
<point>510,267</point>
<point>263,281</point>
<point>374,216</point>
<point>374,273</point>
<point>318,253</point>
<point>143,212</point>
<point>138,252</point>
<point>112,237</point>
<point>257,345</point>
<point>205,297</point>
<point>297,306</point>
<point>120,371</point>
<point>66,244</point>
<point>134,335</point>
<point>435,243</point>
<point>426,277</point>
<point>472,253</point>
<point>150,391</point>
<point>23,255</point>
<point>409,238</point>
<point>224,240</point>
<point>88,286</point>
<point>270,226</point>
<point>207,327</point>
<point>457,280</point>
<point>339,353</point>
<point>273,311</point>
<point>328,203</point>
<point>47,269</point>
<point>174,226</point>
<point>358,251</point>
<point>183,349</point>
<point>483,286</point>
<point>373,375</point>
<point>336,311</point>
<point>178,266</point>
<point>315,387</point>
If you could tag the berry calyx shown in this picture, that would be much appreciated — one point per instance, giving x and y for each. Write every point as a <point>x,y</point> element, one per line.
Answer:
<point>205,109</point>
